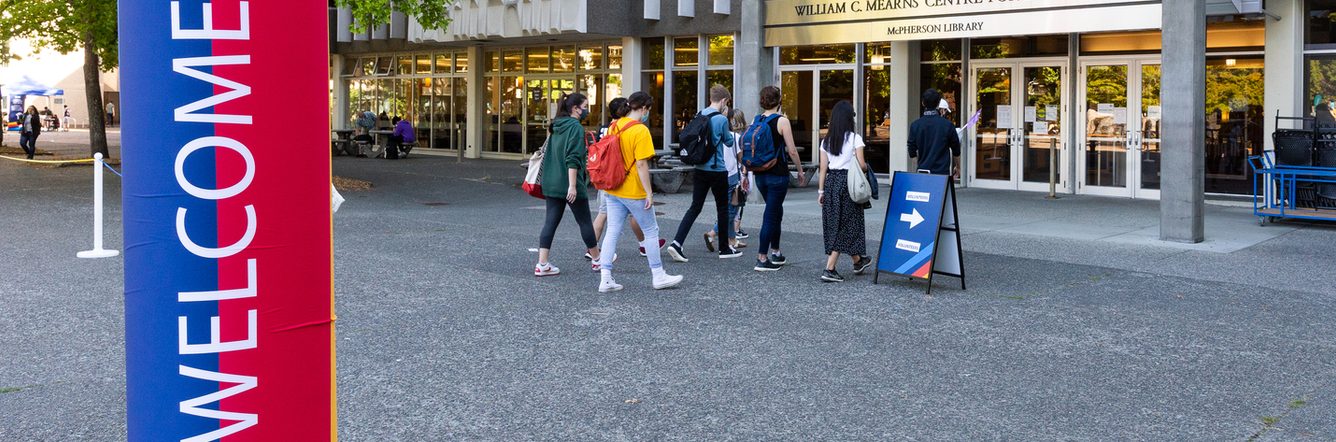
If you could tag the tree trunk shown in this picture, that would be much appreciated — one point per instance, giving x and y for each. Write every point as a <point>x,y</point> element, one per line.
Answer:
<point>97,123</point>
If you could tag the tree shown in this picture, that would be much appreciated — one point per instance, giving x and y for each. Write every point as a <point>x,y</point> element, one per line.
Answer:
<point>431,14</point>
<point>66,26</point>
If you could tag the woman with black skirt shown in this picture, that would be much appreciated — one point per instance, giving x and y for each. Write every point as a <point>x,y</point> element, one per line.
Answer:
<point>841,217</point>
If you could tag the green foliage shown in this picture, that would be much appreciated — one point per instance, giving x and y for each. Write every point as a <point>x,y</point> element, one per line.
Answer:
<point>431,14</point>
<point>61,25</point>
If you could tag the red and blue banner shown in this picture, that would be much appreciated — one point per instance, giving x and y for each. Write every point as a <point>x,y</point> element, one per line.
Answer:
<point>228,263</point>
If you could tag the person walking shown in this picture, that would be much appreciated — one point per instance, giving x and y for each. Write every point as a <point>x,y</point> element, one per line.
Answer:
<point>30,126</point>
<point>111,114</point>
<point>66,120</point>
<point>841,218</point>
<point>710,176</point>
<point>565,181</point>
<point>773,183</point>
<point>737,184</point>
<point>615,107</point>
<point>933,139</point>
<point>634,196</point>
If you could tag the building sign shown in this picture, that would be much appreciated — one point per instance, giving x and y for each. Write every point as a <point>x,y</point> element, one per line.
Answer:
<point>809,22</point>
<point>228,260</point>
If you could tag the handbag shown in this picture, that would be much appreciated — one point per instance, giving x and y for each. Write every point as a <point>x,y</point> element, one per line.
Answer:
<point>533,179</point>
<point>859,189</point>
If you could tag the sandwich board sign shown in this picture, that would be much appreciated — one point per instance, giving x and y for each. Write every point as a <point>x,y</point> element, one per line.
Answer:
<point>921,234</point>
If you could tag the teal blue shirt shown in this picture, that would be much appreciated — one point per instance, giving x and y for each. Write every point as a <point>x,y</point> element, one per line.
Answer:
<point>721,137</point>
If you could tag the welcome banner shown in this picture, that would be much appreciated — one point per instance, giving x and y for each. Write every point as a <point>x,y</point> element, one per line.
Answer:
<point>228,256</point>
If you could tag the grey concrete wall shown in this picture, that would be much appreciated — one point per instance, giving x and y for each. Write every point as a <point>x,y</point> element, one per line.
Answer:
<point>755,61</point>
<point>626,18</point>
<point>1284,60</point>
<point>1183,161</point>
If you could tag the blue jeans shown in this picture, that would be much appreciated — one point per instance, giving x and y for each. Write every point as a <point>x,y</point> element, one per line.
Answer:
<point>618,208</point>
<point>773,188</point>
<point>732,211</point>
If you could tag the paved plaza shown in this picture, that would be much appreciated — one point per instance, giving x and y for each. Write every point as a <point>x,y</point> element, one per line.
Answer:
<point>1077,325</point>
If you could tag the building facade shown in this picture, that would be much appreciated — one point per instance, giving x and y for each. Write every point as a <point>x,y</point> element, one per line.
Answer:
<point>1068,92</point>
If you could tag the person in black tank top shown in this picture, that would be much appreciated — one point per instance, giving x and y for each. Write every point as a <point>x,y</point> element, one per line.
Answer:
<point>773,185</point>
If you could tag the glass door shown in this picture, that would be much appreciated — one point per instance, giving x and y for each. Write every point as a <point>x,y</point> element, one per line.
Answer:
<point>1018,140</point>
<point>1121,142</point>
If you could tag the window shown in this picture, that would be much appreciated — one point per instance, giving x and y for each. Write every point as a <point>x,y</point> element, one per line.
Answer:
<point>654,51</point>
<point>824,54</point>
<point>686,52</point>
<point>406,65</point>
<point>877,53</point>
<point>563,59</point>
<point>538,59</point>
<point>424,65</point>
<point>1320,30</point>
<point>946,78</point>
<point>721,50</point>
<point>1234,118</point>
<point>462,63</point>
<point>941,50</point>
<point>590,58</point>
<point>443,63</point>
<point>1011,47</point>
<point>615,57</point>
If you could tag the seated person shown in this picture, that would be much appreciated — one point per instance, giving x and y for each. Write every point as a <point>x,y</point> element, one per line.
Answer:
<point>403,134</point>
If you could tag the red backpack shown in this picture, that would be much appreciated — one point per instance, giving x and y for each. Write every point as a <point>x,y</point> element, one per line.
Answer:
<point>607,169</point>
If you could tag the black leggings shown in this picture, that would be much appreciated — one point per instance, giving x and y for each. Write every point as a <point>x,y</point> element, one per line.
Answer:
<point>706,182</point>
<point>556,207</point>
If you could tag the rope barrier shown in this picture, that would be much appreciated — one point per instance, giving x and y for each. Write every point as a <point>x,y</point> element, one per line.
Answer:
<point>113,170</point>
<point>85,160</point>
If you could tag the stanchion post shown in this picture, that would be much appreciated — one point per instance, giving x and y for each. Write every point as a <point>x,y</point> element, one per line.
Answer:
<point>98,251</point>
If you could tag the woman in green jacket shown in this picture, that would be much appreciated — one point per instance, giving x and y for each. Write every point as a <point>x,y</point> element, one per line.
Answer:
<point>565,181</point>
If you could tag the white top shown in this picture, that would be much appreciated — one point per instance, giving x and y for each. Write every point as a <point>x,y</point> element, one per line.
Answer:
<point>731,154</point>
<point>847,159</point>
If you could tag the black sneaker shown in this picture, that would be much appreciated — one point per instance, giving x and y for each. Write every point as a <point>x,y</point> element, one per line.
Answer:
<point>862,265</point>
<point>831,276</point>
<point>730,252</point>
<point>741,235</point>
<point>675,251</point>
<point>778,259</point>
<point>765,266</point>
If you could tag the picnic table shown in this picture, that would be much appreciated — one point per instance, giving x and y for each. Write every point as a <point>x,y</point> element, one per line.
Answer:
<point>342,144</point>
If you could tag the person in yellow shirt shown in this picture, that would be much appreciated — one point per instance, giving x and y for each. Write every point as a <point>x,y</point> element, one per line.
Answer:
<point>634,196</point>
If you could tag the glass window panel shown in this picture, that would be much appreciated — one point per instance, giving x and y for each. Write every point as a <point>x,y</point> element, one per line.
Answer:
<point>721,50</point>
<point>406,65</point>
<point>424,64</point>
<point>686,52</point>
<point>368,67</point>
<point>836,86</point>
<point>684,100</point>
<point>443,63</point>
<point>941,50</point>
<point>539,60</point>
<point>877,53</point>
<point>423,111</point>
<point>460,112</point>
<point>563,59</point>
<point>718,77</point>
<point>462,62</point>
<point>511,114</point>
<point>493,86</point>
<point>613,88</point>
<point>824,54</point>
<point>1321,26</point>
<point>384,65</point>
<point>876,117</point>
<point>654,53</point>
<point>512,62</point>
<point>442,135</point>
<point>1234,119</point>
<point>615,57</point>
<point>592,88</point>
<point>589,58</point>
<point>654,85</point>
<point>946,78</point>
<point>796,103</point>
<point>1008,47</point>
<point>493,61</point>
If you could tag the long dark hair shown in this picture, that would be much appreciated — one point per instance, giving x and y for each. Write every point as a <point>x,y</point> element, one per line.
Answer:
<point>615,109</point>
<point>569,102</point>
<point>841,125</point>
<point>637,101</point>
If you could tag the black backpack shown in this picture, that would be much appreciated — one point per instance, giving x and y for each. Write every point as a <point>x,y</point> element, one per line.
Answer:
<point>697,140</point>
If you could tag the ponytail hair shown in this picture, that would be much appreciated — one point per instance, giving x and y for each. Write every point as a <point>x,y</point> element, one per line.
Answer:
<point>637,101</point>
<point>569,102</point>
<point>617,108</point>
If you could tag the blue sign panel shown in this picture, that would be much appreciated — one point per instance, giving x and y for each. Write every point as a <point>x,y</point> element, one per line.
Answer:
<point>921,235</point>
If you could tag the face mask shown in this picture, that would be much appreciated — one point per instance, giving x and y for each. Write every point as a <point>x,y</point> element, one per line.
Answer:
<point>584,113</point>
<point>645,118</point>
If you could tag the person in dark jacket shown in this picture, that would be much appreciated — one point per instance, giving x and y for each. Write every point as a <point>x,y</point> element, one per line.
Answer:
<point>932,138</point>
<point>565,181</point>
<point>30,126</point>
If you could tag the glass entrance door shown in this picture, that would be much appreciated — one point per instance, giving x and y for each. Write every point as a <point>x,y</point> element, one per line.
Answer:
<point>808,97</point>
<point>1018,140</point>
<point>1121,142</point>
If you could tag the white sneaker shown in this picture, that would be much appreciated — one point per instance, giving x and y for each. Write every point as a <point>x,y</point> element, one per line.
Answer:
<point>545,270</point>
<point>608,285</point>
<point>664,280</point>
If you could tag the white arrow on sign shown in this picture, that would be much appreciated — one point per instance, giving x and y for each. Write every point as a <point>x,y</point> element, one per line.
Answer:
<point>912,218</point>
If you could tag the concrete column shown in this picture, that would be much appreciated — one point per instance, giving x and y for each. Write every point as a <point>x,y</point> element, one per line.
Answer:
<point>905,96</point>
<point>757,60</point>
<point>1182,198</point>
<point>1284,66</point>
<point>633,53</point>
<point>476,135</point>
<point>339,119</point>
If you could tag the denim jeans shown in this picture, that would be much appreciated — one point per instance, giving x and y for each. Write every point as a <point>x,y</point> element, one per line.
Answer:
<point>618,208</point>
<point>732,211</point>
<point>28,142</point>
<point>715,183</point>
<point>774,188</point>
